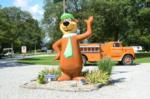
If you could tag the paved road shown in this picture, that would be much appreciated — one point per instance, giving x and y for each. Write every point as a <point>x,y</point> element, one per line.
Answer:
<point>130,82</point>
<point>11,62</point>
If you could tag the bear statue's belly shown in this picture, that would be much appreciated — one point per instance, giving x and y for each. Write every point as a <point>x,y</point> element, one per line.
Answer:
<point>73,63</point>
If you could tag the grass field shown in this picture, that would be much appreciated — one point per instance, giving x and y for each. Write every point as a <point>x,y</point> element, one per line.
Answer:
<point>45,60</point>
<point>49,60</point>
<point>142,60</point>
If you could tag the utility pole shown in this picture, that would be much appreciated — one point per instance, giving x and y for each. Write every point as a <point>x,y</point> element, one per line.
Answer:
<point>64,6</point>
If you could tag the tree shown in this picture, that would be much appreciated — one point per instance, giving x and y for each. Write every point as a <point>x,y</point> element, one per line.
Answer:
<point>53,11</point>
<point>138,12</point>
<point>110,20</point>
<point>125,20</point>
<point>18,28</point>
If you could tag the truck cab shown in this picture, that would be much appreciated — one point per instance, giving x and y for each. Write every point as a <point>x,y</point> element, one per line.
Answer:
<point>115,50</point>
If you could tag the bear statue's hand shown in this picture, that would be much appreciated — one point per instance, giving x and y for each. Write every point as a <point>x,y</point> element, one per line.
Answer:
<point>90,20</point>
<point>57,57</point>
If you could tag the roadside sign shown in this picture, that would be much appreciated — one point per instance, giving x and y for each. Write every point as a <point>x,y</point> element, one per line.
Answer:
<point>24,49</point>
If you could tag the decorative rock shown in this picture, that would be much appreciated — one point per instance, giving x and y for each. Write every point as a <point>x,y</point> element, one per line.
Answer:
<point>82,82</point>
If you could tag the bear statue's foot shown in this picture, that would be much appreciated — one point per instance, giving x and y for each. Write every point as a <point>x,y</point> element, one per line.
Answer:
<point>79,78</point>
<point>64,77</point>
<point>82,80</point>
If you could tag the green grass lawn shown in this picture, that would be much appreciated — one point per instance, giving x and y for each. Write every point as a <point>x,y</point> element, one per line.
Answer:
<point>142,60</point>
<point>45,60</point>
<point>49,60</point>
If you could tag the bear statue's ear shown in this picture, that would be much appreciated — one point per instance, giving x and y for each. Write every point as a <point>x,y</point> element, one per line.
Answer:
<point>76,20</point>
<point>60,22</point>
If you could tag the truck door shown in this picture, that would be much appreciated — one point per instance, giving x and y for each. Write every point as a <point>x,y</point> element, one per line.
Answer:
<point>116,51</point>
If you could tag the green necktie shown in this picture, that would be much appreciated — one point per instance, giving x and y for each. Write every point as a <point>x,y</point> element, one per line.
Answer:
<point>68,51</point>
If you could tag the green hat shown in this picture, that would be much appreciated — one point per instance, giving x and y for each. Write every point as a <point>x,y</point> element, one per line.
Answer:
<point>66,16</point>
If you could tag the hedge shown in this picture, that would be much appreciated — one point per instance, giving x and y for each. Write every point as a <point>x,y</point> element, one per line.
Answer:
<point>142,54</point>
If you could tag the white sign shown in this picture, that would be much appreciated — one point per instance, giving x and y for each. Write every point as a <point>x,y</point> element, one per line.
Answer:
<point>137,48</point>
<point>24,49</point>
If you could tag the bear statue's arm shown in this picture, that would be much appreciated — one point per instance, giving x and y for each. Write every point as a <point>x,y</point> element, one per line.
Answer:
<point>88,33</point>
<point>57,48</point>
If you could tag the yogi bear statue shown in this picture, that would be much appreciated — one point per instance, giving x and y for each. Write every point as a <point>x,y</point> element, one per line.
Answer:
<point>67,47</point>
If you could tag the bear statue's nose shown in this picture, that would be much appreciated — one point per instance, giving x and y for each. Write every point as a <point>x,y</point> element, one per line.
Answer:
<point>65,23</point>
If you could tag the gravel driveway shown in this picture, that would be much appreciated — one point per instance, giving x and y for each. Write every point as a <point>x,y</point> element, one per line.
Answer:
<point>129,82</point>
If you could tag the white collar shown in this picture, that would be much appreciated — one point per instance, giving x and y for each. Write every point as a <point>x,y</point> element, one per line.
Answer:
<point>69,35</point>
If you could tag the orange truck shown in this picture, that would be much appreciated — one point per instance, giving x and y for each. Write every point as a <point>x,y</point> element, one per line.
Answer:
<point>95,52</point>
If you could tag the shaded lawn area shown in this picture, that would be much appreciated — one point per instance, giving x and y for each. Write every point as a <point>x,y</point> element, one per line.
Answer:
<point>45,60</point>
<point>49,60</point>
<point>142,60</point>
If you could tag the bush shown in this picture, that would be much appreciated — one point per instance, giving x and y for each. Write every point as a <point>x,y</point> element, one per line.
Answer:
<point>55,71</point>
<point>106,65</point>
<point>51,71</point>
<point>97,77</point>
<point>41,77</point>
<point>142,54</point>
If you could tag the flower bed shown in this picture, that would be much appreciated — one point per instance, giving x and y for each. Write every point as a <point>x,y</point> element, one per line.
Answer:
<point>95,78</point>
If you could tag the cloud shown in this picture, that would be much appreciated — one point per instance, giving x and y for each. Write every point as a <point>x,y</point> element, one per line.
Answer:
<point>22,3</point>
<point>35,9</point>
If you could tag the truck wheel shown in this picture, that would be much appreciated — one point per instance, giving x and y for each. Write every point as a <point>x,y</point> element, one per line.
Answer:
<point>127,60</point>
<point>84,59</point>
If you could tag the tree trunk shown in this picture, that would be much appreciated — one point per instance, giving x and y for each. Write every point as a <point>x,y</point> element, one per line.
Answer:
<point>35,48</point>
<point>12,45</point>
<point>116,36</point>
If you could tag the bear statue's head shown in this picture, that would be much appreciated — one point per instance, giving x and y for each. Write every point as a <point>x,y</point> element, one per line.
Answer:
<point>68,23</point>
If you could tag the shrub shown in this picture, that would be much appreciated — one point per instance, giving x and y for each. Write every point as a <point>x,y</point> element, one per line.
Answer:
<point>41,76</point>
<point>44,72</point>
<point>142,54</point>
<point>97,77</point>
<point>51,71</point>
<point>106,65</point>
<point>55,71</point>
<point>41,79</point>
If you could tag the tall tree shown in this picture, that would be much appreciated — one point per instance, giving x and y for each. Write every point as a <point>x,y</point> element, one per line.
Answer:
<point>53,10</point>
<point>18,27</point>
<point>125,20</point>
<point>138,12</point>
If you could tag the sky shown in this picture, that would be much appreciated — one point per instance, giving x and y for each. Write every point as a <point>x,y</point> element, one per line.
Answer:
<point>35,7</point>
